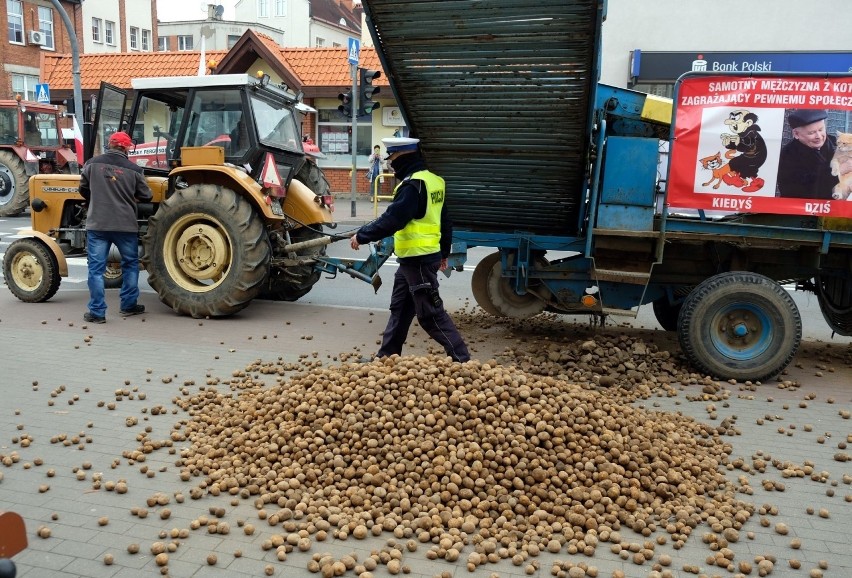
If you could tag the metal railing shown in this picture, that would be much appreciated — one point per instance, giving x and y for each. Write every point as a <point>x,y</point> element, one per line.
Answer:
<point>376,197</point>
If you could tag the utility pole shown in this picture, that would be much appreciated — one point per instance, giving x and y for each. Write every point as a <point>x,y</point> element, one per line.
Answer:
<point>354,192</point>
<point>75,62</point>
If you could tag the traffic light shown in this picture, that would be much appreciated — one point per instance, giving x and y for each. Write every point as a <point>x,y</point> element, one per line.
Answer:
<point>345,107</point>
<point>366,91</point>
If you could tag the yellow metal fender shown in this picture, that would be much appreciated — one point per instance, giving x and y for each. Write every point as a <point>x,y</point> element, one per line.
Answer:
<point>298,204</point>
<point>51,244</point>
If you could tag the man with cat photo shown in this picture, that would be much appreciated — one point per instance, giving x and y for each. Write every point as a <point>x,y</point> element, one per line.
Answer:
<point>805,168</point>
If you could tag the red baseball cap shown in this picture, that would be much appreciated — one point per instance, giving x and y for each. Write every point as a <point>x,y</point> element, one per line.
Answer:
<point>121,139</point>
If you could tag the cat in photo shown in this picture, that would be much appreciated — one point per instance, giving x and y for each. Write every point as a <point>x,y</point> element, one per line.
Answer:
<point>717,167</point>
<point>840,162</point>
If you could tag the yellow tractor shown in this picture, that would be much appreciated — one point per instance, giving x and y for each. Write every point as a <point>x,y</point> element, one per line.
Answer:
<point>238,207</point>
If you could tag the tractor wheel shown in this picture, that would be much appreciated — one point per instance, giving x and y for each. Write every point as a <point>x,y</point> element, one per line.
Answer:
<point>206,251</point>
<point>741,326</point>
<point>31,271</point>
<point>666,313</point>
<point>292,283</point>
<point>112,276</point>
<point>313,178</point>
<point>14,185</point>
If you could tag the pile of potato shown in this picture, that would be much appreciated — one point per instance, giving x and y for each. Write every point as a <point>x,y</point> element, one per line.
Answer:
<point>454,455</point>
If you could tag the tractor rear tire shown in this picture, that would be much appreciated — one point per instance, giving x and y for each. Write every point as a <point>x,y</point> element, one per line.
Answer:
<point>740,325</point>
<point>31,271</point>
<point>14,185</point>
<point>207,252</point>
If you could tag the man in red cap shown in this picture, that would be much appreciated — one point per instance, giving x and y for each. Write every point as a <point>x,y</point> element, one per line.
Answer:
<point>112,185</point>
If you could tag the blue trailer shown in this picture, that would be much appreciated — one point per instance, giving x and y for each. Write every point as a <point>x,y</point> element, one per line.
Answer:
<point>560,175</point>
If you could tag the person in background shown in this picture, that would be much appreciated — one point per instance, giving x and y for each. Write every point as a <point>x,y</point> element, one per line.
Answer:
<point>422,235</point>
<point>112,185</point>
<point>803,166</point>
<point>375,162</point>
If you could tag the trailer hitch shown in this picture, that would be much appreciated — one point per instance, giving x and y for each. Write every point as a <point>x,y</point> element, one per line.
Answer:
<point>366,270</point>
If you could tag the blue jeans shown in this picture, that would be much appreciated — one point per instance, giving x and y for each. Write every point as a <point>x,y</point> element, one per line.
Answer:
<point>97,248</point>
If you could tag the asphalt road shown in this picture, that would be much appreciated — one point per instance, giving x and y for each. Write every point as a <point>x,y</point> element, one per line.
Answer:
<point>343,291</point>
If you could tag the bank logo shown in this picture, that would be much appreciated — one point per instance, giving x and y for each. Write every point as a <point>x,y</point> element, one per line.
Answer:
<point>699,64</point>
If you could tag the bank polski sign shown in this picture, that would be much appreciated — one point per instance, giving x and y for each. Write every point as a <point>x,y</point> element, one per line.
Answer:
<point>667,66</point>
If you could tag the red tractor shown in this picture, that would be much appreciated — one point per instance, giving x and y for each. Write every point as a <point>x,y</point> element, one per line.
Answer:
<point>30,143</point>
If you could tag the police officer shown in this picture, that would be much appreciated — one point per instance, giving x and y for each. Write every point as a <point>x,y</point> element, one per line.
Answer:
<point>422,235</point>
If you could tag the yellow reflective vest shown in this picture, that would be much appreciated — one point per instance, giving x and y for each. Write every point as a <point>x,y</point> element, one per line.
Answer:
<point>422,236</point>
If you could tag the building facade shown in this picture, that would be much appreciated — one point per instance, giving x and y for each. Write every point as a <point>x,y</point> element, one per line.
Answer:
<point>647,46</point>
<point>305,23</point>
<point>119,26</point>
<point>291,23</point>
<point>33,27</point>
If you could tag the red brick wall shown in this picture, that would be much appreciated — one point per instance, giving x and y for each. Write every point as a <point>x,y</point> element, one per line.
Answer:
<point>30,55</point>
<point>341,182</point>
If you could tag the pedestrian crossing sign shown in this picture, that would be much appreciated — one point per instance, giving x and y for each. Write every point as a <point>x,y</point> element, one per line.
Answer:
<point>42,93</point>
<point>354,50</point>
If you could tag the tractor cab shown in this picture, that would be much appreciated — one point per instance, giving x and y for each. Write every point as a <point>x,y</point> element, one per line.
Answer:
<point>246,117</point>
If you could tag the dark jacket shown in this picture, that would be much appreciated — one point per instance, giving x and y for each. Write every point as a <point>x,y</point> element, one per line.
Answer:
<point>804,172</point>
<point>112,185</point>
<point>409,202</point>
<point>753,153</point>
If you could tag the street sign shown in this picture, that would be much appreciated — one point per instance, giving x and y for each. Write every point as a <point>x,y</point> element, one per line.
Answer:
<point>42,93</point>
<point>354,50</point>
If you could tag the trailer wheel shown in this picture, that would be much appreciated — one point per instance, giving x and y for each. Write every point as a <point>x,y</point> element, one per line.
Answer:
<point>14,185</point>
<point>479,283</point>
<point>499,297</point>
<point>666,313</point>
<point>31,271</point>
<point>292,283</point>
<point>206,251</point>
<point>741,326</point>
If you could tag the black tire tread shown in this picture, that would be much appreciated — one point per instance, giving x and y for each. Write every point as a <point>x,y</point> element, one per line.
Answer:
<point>701,296</point>
<point>250,238</point>
<point>22,185</point>
<point>51,281</point>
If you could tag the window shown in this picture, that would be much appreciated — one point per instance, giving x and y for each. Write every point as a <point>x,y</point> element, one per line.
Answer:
<point>262,8</point>
<point>15,9</point>
<point>336,45</point>
<point>280,7</point>
<point>162,43</point>
<point>232,40</point>
<point>185,42</point>
<point>24,84</point>
<point>320,42</point>
<point>109,33</point>
<point>97,25</point>
<point>146,40</point>
<point>335,138</point>
<point>134,38</point>
<point>45,25</point>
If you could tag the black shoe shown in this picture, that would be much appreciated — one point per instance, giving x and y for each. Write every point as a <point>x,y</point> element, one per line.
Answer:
<point>91,318</point>
<point>135,310</point>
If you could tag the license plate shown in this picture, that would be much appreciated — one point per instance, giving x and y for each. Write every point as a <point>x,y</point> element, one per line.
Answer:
<point>276,208</point>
